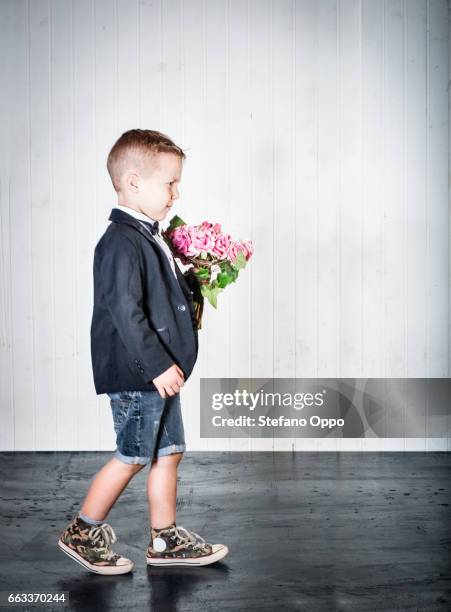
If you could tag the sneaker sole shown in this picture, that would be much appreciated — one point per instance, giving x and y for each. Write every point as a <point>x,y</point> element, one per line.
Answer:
<point>108,570</point>
<point>216,556</point>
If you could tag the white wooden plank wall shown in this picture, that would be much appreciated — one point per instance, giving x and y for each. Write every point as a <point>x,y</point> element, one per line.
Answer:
<point>317,128</point>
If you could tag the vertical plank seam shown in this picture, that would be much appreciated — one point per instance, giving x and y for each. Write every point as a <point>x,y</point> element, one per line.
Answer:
<point>384,224</point>
<point>426,195</point>
<point>52,209</point>
<point>227,122</point>
<point>340,191</point>
<point>116,73</point>
<point>362,197</point>
<point>294,167</point>
<point>75,243</point>
<point>406,212</point>
<point>95,159</point>
<point>161,65</point>
<point>204,100</point>
<point>428,262</point>
<point>249,153</point>
<point>271,104</point>
<point>138,57</point>
<point>30,229</point>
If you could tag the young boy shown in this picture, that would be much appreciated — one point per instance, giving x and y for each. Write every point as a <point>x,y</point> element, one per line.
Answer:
<point>144,346</point>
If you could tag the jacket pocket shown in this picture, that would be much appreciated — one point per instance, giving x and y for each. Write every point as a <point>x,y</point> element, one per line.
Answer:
<point>163,333</point>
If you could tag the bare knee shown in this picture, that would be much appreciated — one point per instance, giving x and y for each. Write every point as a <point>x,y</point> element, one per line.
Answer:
<point>167,460</point>
<point>132,468</point>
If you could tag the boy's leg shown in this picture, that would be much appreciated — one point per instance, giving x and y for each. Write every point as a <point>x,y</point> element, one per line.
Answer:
<point>171,544</point>
<point>162,490</point>
<point>107,486</point>
<point>88,538</point>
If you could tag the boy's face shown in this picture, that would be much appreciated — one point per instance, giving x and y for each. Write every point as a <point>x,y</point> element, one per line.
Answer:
<point>153,190</point>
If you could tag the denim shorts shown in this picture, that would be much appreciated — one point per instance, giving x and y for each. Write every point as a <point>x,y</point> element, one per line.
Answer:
<point>146,425</point>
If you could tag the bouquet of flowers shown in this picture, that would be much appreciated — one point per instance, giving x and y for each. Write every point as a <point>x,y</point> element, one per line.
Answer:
<point>216,258</point>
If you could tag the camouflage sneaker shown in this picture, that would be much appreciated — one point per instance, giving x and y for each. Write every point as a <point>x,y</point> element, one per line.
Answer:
<point>89,545</point>
<point>179,546</point>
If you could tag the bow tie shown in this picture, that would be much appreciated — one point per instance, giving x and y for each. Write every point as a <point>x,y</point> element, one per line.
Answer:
<point>152,226</point>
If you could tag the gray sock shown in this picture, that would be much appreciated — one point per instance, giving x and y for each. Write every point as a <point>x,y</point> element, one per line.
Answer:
<point>164,528</point>
<point>88,520</point>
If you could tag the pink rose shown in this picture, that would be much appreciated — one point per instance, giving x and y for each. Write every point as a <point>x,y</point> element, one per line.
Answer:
<point>193,249</point>
<point>233,250</point>
<point>221,246</point>
<point>248,248</point>
<point>203,240</point>
<point>245,246</point>
<point>181,240</point>
<point>216,228</point>
<point>206,225</point>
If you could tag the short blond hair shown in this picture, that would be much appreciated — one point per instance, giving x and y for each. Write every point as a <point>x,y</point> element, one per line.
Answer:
<point>133,149</point>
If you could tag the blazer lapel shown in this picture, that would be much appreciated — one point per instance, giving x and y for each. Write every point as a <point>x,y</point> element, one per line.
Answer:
<point>119,216</point>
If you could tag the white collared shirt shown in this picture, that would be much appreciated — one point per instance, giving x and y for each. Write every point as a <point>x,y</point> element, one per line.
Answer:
<point>157,236</point>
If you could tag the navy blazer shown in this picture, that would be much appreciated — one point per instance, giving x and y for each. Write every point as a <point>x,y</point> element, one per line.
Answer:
<point>143,318</point>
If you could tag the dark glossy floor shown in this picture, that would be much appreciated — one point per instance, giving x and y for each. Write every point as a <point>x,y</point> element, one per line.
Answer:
<point>306,531</point>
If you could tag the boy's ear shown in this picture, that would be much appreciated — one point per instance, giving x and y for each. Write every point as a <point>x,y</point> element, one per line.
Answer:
<point>132,181</point>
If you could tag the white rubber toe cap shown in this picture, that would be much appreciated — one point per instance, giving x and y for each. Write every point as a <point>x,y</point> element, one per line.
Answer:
<point>124,561</point>
<point>216,547</point>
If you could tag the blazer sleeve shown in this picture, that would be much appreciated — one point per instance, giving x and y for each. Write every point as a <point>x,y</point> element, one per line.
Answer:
<point>117,272</point>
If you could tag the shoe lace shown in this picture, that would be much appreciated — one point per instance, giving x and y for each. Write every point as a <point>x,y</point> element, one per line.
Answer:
<point>186,536</point>
<point>103,534</point>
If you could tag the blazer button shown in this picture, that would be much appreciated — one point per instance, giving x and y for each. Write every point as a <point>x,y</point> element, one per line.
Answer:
<point>181,307</point>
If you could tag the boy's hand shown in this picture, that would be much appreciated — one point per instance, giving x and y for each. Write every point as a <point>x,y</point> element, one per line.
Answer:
<point>170,381</point>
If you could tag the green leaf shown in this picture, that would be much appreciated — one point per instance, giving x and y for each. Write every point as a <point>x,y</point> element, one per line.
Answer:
<point>223,279</point>
<point>203,273</point>
<point>176,221</point>
<point>231,272</point>
<point>240,261</point>
<point>211,293</point>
